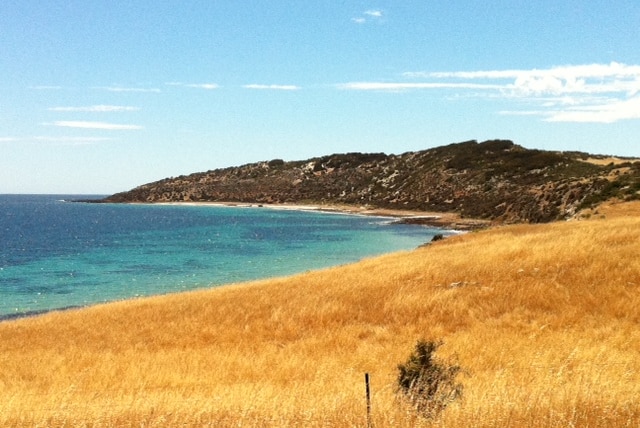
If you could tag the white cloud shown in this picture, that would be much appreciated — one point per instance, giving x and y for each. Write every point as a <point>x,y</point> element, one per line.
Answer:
<point>371,14</point>
<point>194,85</point>
<point>96,108</point>
<point>276,87</point>
<point>523,112</point>
<point>611,112</point>
<point>382,86</point>
<point>591,78</point>
<point>569,71</point>
<point>7,139</point>
<point>203,85</point>
<point>94,125</point>
<point>374,13</point>
<point>603,93</point>
<point>128,89</point>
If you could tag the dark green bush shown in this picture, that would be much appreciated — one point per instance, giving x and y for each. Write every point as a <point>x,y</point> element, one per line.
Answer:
<point>427,384</point>
<point>437,237</point>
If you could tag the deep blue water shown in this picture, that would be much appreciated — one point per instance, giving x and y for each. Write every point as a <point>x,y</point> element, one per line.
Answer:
<point>58,254</point>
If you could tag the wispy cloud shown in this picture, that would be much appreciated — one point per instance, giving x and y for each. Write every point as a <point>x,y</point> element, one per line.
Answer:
<point>604,93</point>
<point>591,79</point>
<point>7,139</point>
<point>609,112</point>
<point>274,87</point>
<point>208,86</point>
<point>203,85</point>
<point>368,15</point>
<point>566,72</point>
<point>386,86</point>
<point>96,109</point>
<point>94,125</point>
<point>128,89</point>
<point>374,13</point>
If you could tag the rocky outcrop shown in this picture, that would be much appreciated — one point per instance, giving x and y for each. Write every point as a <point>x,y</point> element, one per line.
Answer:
<point>495,179</point>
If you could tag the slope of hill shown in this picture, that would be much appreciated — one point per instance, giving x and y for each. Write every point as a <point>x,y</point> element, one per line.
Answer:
<point>543,319</point>
<point>496,180</point>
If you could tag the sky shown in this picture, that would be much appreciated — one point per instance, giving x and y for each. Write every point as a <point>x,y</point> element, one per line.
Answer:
<point>98,97</point>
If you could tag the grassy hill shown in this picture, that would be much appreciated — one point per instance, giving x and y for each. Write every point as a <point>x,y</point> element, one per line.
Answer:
<point>543,319</point>
<point>495,180</point>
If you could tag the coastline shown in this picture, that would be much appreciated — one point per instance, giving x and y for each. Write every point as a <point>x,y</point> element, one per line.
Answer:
<point>449,223</point>
<point>38,312</point>
<point>440,220</point>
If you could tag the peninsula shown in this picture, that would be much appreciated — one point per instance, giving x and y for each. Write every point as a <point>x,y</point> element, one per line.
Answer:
<point>495,180</point>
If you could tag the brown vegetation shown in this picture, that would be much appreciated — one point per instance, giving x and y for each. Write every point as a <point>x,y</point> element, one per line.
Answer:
<point>493,180</point>
<point>543,320</point>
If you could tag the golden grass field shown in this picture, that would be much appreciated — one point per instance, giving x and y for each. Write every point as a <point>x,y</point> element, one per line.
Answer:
<point>543,319</point>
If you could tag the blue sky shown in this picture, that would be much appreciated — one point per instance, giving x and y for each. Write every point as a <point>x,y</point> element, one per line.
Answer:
<point>98,97</point>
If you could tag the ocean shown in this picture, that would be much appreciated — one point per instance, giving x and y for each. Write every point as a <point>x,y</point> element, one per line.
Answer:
<point>58,254</point>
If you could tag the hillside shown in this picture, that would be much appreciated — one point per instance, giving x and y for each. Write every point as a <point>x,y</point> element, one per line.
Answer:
<point>543,320</point>
<point>496,180</point>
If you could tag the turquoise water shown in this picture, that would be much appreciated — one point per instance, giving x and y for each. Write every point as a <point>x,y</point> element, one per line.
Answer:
<point>58,254</point>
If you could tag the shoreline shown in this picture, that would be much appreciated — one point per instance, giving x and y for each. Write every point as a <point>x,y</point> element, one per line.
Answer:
<point>445,221</point>
<point>31,314</point>
<point>440,220</point>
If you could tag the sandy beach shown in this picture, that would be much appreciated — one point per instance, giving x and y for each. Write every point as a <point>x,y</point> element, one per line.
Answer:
<point>443,220</point>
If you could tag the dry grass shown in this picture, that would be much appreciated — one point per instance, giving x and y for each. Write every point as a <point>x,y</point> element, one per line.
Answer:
<point>611,159</point>
<point>543,319</point>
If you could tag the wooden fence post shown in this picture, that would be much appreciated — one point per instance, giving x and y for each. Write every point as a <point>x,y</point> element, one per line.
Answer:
<point>368,392</point>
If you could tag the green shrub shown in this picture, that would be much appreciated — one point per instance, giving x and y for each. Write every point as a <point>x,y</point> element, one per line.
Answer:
<point>427,384</point>
<point>437,237</point>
